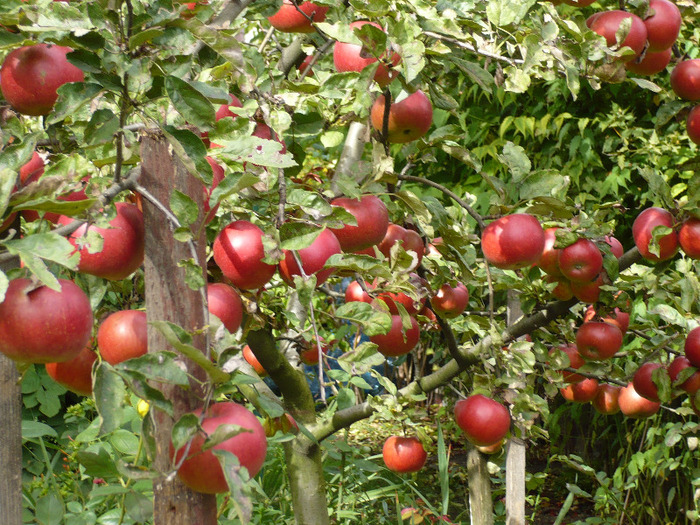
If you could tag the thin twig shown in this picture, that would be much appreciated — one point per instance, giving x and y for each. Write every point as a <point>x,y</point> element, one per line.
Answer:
<point>282,182</point>
<point>469,47</point>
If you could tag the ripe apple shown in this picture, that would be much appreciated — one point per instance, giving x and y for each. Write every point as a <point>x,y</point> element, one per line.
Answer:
<point>692,347</point>
<point>404,454</point>
<point>690,385</point>
<point>617,317</point>
<point>483,420</point>
<point>397,341</point>
<point>309,354</point>
<point>372,222</point>
<point>123,247</point>
<point>238,251</point>
<point>285,424</point>
<point>692,124</point>
<point>643,383</point>
<point>581,392</point>
<point>225,303</point>
<point>651,64</point>
<point>249,356</point>
<point>685,79</point>
<point>30,76</point>
<point>615,246</point>
<point>598,340</point>
<point>663,26</point>
<point>635,406</point>
<point>76,374</point>
<point>355,293</point>
<point>492,449</point>
<point>409,119</point>
<point>581,261</point>
<point>409,239</point>
<point>562,290</point>
<point>123,335</point>
<point>588,292</point>
<point>352,57</point>
<point>642,230</point>
<point>289,19</point>
<point>549,261</point>
<point>313,258</point>
<point>607,24</point>
<point>201,471</point>
<point>689,235</point>
<point>32,170</point>
<point>306,64</point>
<point>41,325</point>
<point>606,399</point>
<point>512,242</point>
<point>225,109</point>
<point>575,361</point>
<point>450,301</point>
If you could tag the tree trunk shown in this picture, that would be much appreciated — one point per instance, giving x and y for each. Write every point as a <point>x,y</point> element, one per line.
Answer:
<point>480,502</point>
<point>305,472</point>
<point>169,298</point>
<point>11,436</point>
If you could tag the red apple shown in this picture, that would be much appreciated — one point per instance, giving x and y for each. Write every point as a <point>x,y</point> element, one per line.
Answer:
<point>581,261</point>
<point>309,354</point>
<point>313,258</point>
<point>76,374</point>
<point>285,424</point>
<point>685,79</point>
<point>123,246</point>
<point>450,301</point>
<point>352,57</point>
<point>404,454</point>
<point>651,64</point>
<point>643,383</point>
<point>355,293</point>
<point>692,124</point>
<point>643,228</point>
<point>397,341</point>
<point>409,239</point>
<point>225,109</point>
<point>692,347</point>
<point>617,317</point>
<point>201,471</point>
<point>606,399</point>
<point>549,261</point>
<point>409,119</point>
<point>289,19</point>
<point>492,449</point>
<point>635,406</point>
<point>32,170</point>
<point>30,76</point>
<point>689,237</point>
<point>249,356</point>
<point>41,325</point>
<point>575,361</point>
<point>690,385</point>
<point>123,335</point>
<point>512,242</point>
<point>238,251</point>
<point>372,222</point>
<point>588,292</point>
<point>562,290</point>
<point>663,26</point>
<point>581,392</point>
<point>607,24</point>
<point>597,341</point>
<point>483,420</point>
<point>225,303</point>
<point>615,246</point>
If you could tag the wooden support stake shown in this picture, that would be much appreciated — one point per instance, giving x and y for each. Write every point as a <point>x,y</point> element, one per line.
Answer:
<point>169,298</point>
<point>480,499</point>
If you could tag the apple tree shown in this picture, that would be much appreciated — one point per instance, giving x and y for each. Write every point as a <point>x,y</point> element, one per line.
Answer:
<point>380,200</point>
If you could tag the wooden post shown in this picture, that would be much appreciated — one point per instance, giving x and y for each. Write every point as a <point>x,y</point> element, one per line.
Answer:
<point>11,435</point>
<point>169,298</point>
<point>480,499</point>
<point>515,451</point>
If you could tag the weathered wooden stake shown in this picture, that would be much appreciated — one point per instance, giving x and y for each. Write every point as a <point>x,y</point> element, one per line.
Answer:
<point>169,298</point>
<point>480,499</point>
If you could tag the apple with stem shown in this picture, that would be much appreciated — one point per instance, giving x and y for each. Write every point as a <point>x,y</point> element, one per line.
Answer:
<point>42,325</point>
<point>663,26</point>
<point>372,222</point>
<point>606,400</point>
<point>685,79</point>
<point>597,341</point>
<point>483,420</point>
<point>293,19</point>
<point>581,262</point>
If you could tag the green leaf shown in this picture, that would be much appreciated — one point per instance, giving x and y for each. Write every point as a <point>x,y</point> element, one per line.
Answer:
<point>658,186</point>
<point>194,107</point>
<point>310,202</point>
<point>194,274</point>
<point>372,321</point>
<point>109,392</point>
<point>237,478</point>
<point>507,12</point>
<point>190,149</point>
<point>298,235</point>
<point>98,465</point>
<point>475,72</point>
<point>232,184</point>
<point>646,84</point>
<point>49,246</point>
<point>183,430</point>
<point>102,127</point>
<point>161,367</point>
<point>35,429</point>
<point>144,37</point>
<point>49,509</point>
<point>139,507</point>
<point>365,264</point>
<point>124,441</point>
<point>516,159</point>
<point>183,207</point>
<point>72,97</point>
